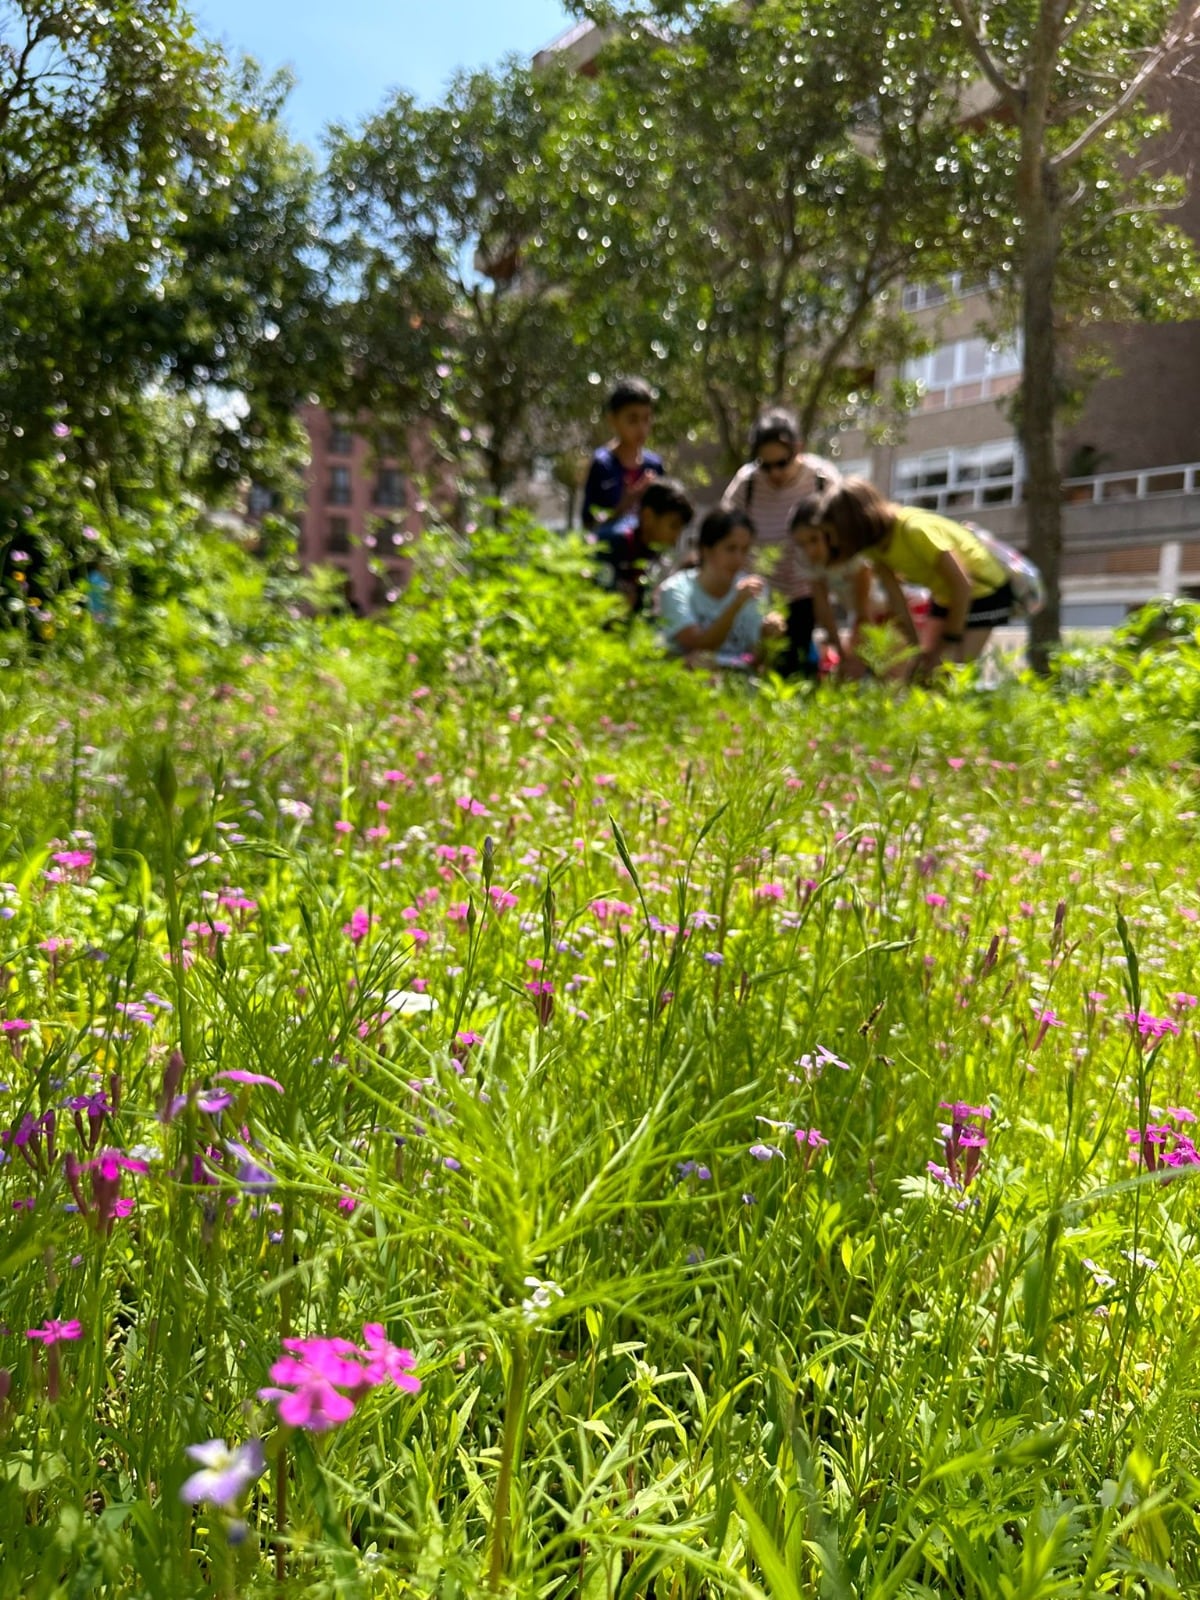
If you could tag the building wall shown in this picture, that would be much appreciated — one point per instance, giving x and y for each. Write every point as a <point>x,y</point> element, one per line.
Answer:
<point>1147,412</point>
<point>348,530</point>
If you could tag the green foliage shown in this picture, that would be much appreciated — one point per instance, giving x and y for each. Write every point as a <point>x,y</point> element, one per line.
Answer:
<point>652,1360</point>
<point>157,235</point>
<point>1161,624</point>
<point>432,211</point>
<point>735,197</point>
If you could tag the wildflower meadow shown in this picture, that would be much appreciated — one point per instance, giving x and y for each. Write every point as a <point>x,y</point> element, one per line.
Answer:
<point>485,1114</point>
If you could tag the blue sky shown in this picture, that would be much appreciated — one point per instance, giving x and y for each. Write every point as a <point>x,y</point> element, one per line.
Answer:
<point>347,54</point>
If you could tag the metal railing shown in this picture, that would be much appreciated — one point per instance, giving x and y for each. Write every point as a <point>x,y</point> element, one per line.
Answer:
<point>1144,485</point>
<point>1100,489</point>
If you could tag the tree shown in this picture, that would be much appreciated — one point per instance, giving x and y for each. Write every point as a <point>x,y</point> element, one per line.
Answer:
<point>1065,139</point>
<point>740,188</point>
<point>156,235</point>
<point>442,318</point>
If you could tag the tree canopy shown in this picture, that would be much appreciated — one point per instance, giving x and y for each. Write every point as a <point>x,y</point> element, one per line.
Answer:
<point>157,232</point>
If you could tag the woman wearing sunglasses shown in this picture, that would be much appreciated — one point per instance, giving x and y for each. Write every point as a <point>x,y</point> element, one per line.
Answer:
<point>765,490</point>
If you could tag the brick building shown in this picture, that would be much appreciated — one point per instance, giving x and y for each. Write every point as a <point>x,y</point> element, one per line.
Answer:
<point>360,509</point>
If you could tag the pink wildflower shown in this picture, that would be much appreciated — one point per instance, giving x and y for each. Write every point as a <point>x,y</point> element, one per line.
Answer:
<point>359,926</point>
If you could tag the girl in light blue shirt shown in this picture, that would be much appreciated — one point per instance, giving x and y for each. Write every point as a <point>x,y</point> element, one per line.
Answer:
<point>713,609</point>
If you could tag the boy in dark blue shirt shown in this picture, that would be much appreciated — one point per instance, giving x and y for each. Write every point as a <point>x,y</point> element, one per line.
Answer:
<point>629,546</point>
<point>622,468</point>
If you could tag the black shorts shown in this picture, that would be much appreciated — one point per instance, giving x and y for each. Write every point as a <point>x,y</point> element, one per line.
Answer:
<point>989,611</point>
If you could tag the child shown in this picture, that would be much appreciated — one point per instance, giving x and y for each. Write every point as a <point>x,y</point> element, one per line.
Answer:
<point>971,591</point>
<point>850,580</point>
<point>713,609</point>
<point>766,488</point>
<point>627,547</point>
<point>622,468</point>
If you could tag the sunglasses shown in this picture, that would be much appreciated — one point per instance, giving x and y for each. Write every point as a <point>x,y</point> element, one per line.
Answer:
<point>779,464</point>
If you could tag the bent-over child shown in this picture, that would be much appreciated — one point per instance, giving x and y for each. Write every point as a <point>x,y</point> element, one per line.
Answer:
<point>904,544</point>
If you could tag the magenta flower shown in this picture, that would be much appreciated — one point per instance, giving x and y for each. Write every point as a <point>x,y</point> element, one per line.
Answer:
<point>541,992</point>
<point>73,860</point>
<point>55,1332</point>
<point>210,1101</point>
<point>359,926</point>
<point>1150,1027</point>
<point>1162,1146</point>
<point>811,1139</point>
<point>240,1075</point>
<point>935,899</point>
<point>388,1361</point>
<point>51,1334</point>
<point>770,891</point>
<point>105,1205</point>
<point>325,1377</point>
<point>111,1163</point>
<point>313,1404</point>
<point>964,1143</point>
<point>502,899</point>
<point>1046,1020</point>
<point>225,1474</point>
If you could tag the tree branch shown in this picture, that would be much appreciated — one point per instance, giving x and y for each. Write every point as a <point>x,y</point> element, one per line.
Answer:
<point>977,44</point>
<point>1180,37</point>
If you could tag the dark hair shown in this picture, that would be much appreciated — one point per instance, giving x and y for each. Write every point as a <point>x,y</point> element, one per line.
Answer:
<point>806,513</point>
<point>629,392</point>
<point>667,496</point>
<point>718,524</point>
<point>856,515</point>
<point>776,426</point>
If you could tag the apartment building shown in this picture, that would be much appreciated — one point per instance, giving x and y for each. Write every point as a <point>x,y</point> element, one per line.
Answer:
<point>360,510</point>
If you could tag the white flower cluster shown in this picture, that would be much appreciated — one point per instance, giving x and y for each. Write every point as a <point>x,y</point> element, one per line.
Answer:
<point>542,1298</point>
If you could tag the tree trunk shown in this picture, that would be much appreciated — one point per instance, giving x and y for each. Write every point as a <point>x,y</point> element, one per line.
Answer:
<point>1043,484</point>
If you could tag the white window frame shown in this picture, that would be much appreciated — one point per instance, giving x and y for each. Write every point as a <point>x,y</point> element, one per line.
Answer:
<point>999,361</point>
<point>960,492</point>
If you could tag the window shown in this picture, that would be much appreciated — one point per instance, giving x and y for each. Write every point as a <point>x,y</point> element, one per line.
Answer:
<point>945,480</point>
<point>943,364</point>
<point>260,500</point>
<point>965,362</point>
<point>389,488</point>
<point>338,542</point>
<point>341,440</point>
<point>925,296</point>
<point>339,486</point>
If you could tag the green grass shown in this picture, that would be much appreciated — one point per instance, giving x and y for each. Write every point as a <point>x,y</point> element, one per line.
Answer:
<point>824,1373</point>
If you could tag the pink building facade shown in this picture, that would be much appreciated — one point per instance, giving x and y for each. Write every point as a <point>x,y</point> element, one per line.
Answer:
<point>361,511</point>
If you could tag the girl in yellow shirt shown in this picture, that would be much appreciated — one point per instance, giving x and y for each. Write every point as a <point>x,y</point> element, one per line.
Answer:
<point>970,589</point>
